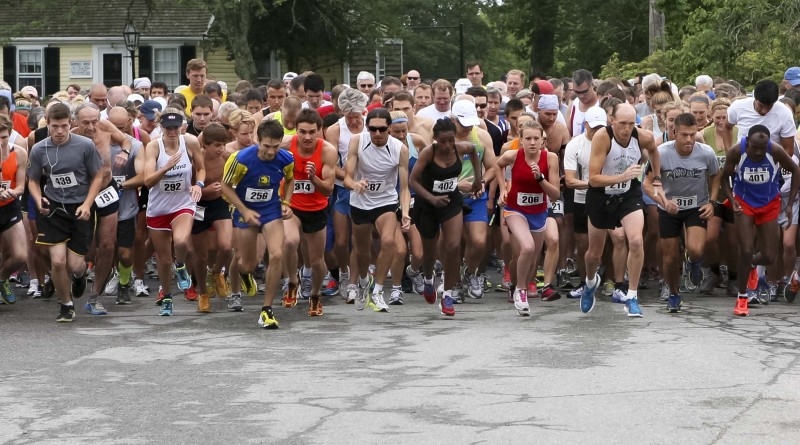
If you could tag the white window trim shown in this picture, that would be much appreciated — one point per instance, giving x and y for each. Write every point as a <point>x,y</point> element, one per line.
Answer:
<point>39,48</point>
<point>177,49</point>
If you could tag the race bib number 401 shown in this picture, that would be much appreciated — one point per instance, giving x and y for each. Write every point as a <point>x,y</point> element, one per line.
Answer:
<point>756,175</point>
<point>258,195</point>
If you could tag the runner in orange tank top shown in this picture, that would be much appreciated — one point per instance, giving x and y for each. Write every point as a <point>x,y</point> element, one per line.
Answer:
<point>12,235</point>
<point>314,161</point>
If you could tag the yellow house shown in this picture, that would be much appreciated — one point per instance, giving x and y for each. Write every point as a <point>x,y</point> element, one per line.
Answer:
<point>56,43</point>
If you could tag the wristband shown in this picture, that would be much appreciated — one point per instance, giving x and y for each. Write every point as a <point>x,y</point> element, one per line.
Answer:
<point>540,178</point>
<point>200,184</point>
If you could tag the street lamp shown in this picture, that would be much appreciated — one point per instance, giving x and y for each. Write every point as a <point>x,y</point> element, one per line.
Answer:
<point>131,37</point>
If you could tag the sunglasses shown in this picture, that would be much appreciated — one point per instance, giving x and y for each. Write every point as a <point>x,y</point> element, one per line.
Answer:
<point>366,85</point>
<point>412,78</point>
<point>582,92</point>
<point>378,129</point>
<point>481,106</point>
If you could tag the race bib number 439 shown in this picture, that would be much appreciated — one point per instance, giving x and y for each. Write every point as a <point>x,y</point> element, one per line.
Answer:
<point>258,195</point>
<point>64,180</point>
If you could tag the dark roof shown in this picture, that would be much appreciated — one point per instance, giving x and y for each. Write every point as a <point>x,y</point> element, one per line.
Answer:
<point>106,18</point>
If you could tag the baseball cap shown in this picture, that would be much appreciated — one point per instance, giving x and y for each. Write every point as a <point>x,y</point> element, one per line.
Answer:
<point>7,95</point>
<point>595,117</point>
<point>462,85</point>
<point>465,112</point>
<point>222,85</point>
<point>136,98</point>
<point>289,76</point>
<point>161,101</point>
<point>171,120</point>
<point>149,108</point>
<point>141,82</point>
<point>793,76</point>
<point>545,87</point>
<point>30,92</point>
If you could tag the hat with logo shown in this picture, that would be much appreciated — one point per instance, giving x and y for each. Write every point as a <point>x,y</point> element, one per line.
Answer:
<point>595,117</point>
<point>793,76</point>
<point>462,85</point>
<point>465,112</point>
<point>149,108</point>
<point>171,120</point>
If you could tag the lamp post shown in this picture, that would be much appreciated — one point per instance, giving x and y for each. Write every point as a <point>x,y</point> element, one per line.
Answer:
<point>131,37</point>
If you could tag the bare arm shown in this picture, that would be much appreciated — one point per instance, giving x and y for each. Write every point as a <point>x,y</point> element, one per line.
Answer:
<point>325,184</point>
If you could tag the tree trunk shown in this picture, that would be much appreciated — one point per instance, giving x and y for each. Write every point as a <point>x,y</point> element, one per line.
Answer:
<point>239,18</point>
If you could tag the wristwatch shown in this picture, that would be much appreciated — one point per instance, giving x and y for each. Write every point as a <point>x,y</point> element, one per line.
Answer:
<point>540,178</point>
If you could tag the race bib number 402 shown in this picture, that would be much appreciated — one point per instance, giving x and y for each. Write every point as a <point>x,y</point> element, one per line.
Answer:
<point>446,186</point>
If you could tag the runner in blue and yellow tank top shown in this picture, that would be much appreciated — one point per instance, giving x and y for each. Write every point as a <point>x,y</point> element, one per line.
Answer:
<point>753,163</point>
<point>251,182</point>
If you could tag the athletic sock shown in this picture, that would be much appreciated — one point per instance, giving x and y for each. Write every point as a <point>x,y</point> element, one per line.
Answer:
<point>377,289</point>
<point>632,294</point>
<point>306,272</point>
<point>334,273</point>
<point>124,274</point>
<point>363,281</point>
<point>591,282</point>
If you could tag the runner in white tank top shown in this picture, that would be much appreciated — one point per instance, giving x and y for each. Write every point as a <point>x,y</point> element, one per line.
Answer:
<point>378,166</point>
<point>173,191</point>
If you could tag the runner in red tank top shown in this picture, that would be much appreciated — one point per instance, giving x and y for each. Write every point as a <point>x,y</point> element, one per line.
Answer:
<point>12,235</point>
<point>314,161</point>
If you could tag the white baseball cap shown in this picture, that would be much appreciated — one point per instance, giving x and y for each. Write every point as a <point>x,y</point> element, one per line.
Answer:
<point>462,85</point>
<point>466,113</point>
<point>595,117</point>
<point>289,76</point>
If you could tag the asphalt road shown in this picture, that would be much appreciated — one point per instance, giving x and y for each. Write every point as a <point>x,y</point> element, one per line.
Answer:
<point>409,376</point>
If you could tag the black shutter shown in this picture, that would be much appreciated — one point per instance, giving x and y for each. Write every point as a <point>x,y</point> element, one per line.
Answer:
<point>10,66</point>
<point>187,53</point>
<point>52,70</point>
<point>146,62</point>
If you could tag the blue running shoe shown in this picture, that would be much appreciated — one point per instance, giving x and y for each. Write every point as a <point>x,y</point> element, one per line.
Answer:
<point>166,307</point>
<point>182,277</point>
<point>632,308</point>
<point>587,298</point>
<point>695,272</point>
<point>6,294</point>
<point>674,304</point>
<point>331,289</point>
<point>446,307</point>
<point>429,293</point>
<point>95,308</point>
<point>618,296</point>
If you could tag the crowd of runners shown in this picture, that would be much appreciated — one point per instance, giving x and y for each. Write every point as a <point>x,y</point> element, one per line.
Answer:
<point>371,192</point>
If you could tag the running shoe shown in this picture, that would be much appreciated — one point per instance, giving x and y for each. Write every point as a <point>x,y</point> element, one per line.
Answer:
<point>6,294</point>
<point>14,277</point>
<point>710,281</point>
<point>267,319</point>
<point>486,284</point>
<point>33,288</point>
<point>78,286</point>
<point>235,303</point>
<point>396,297</point>
<point>166,307</point>
<point>140,289</point>
<point>429,293</point>
<point>790,291</point>
<point>608,288</point>
<point>587,297</point>
<point>182,277</point>
<point>220,286</point>
<point>344,283</point>
<point>150,268</point>
<point>533,288</point>
<point>457,294</point>
<point>632,308</point>
<point>123,294</point>
<point>674,304</point>
<point>521,302</point>
<point>475,288</point>
<point>191,294</point>
<point>417,280</point>
<point>94,307</point>
<point>305,288</point>
<point>741,308</point>
<point>695,273</point>
<point>111,286</point>
<point>351,293</point>
<point>90,273</point>
<point>377,303</point>
<point>752,279</point>
<point>505,285</point>
<point>211,289</point>
<point>563,280</point>
<point>290,296</point>
<point>204,303</point>
<point>446,306</point>
<point>249,285</point>
<point>663,294</point>
<point>160,296</point>
<point>618,296</point>
<point>549,293</point>
<point>577,292</point>
<point>37,292</point>
<point>315,306</point>
<point>364,293</point>
<point>331,289</point>
<point>65,314</point>
<point>49,288</point>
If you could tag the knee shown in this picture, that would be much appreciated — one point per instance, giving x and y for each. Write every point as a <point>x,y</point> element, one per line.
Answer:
<point>58,262</point>
<point>527,248</point>
<point>635,243</point>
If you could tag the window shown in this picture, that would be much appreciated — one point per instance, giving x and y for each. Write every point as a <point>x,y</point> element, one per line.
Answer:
<point>31,69</point>
<point>166,66</point>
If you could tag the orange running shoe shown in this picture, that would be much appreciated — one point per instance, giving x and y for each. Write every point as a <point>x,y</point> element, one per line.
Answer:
<point>314,306</point>
<point>752,280</point>
<point>290,296</point>
<point>741,309</point>
<point>190,294</point>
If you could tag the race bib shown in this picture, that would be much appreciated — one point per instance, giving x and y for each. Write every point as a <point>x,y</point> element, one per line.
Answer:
<point>529,199</point>
<point>686,202</point>
<point>64,180</point>
<point>5,185</point>
<point>618,189</point>
<point>375,186</point>
<point>721,161</point>
<point>172,186</point>
<point>106,197</point>
<point>119,180</point>
<point>411,205</point>
<point>258,195</point>
<point>304,187</point>
<point>557,207</point>
<point>446,186</point>
<point>787,175</point>
<point>756,175</point>
<point>199,213</point>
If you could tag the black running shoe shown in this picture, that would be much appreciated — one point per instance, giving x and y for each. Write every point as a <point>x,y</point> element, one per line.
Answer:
<point>66,314</point>
<point>78,286</point>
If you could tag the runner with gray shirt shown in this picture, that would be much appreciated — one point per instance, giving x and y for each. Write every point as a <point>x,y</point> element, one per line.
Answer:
<point>689,170</point>
<point>71,164</point>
